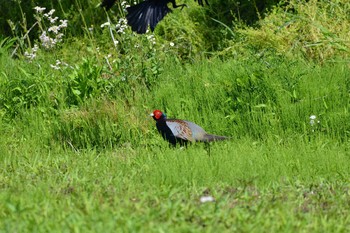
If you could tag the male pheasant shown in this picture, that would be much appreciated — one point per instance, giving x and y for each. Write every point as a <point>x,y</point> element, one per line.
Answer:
<point>181,131</point>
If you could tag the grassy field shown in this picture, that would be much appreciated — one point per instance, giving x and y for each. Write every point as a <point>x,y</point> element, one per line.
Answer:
<point>101,166</point>
<point>80,153</point>
<point>257,187</point>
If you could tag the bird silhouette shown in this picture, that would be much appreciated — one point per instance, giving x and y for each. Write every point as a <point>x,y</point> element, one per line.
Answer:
<point>147,13</point>
<point>181,131</point>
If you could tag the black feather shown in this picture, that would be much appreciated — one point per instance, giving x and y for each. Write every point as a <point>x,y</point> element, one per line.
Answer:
<point>147,13</point>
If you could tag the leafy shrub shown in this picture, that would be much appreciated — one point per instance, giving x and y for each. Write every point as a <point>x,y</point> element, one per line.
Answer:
<point>84,82</point>
<point>316,30</point>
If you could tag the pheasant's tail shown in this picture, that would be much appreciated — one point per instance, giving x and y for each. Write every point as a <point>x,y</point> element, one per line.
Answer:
<point>212,138</point>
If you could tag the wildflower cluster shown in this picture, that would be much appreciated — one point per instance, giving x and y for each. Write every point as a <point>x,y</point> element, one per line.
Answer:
<point>121,25</point>
<point>314,122</point>
<point>52,36</point>
<point>124,5</point>
<point>151,38</point>
<point>32,53</point>
<point>49,37</point>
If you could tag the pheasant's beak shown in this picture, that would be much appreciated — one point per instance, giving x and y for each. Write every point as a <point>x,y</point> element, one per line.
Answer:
<point>152,115</point>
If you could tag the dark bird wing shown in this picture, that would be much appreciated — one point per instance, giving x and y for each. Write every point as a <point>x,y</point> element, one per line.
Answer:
<point>146,13</point>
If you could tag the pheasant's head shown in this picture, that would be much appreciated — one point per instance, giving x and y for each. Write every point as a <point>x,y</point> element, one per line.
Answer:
<point>157,115</point>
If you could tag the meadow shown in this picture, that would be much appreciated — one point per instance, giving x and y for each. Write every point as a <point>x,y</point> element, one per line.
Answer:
<point>80,153</point>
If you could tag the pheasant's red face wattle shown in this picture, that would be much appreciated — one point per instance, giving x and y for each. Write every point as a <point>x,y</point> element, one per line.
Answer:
<point>157,114</point>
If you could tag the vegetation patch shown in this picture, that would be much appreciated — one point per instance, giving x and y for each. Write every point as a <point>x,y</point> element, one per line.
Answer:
<point>80,152</point>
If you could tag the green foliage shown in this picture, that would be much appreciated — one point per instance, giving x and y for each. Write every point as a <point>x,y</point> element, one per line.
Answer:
<point>316,30</point>
<point>100,124</point>
<point>88,127</point>
<point>6,44</point>
<point>22,92</point>
<point>79,151</point>
<point>85,82</point>
<point>259,98</point>
<point>279,188</point>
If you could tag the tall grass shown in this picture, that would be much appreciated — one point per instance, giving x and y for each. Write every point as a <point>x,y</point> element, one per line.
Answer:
<point>259,99</point>
<point>79,151</point>
<point>315,30</point>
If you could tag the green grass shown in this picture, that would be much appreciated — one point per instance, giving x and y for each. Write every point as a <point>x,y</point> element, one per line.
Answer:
<point>80,153</point>
<point>258,187</point>
<point>100,165</point>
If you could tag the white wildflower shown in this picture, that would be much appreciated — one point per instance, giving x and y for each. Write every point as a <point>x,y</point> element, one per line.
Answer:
<point>64,23</point>
<point>55,67</point>
<point>39,9</point>
<point>54,29</point>
<point>171,44</point>
<point>53,20</point>
<point>312,117</point>
<point>151,38</point>
<point>105,24</point>
<point>30,56</point>
<point>35,48</point>
<point>312,120</point>
<point>51,12</point>
<point>44,39</point>
<point>124,5</point>
<point>59,64</point>
<point>32,53</point>
<point>121,25</point>
<point>205,199</point>
<point>48,15</point>
<point>59,37</point>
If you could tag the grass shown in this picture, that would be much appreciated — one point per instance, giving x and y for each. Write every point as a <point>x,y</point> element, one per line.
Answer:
<point>79,152</point>
<point>258,187</point>
<point>100,165</point>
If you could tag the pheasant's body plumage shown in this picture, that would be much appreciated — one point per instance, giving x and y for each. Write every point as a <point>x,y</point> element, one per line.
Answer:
<point>181,131</point>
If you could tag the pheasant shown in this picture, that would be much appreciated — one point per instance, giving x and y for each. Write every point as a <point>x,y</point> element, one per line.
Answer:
<point>147,13</point>
<point>181,131</point>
